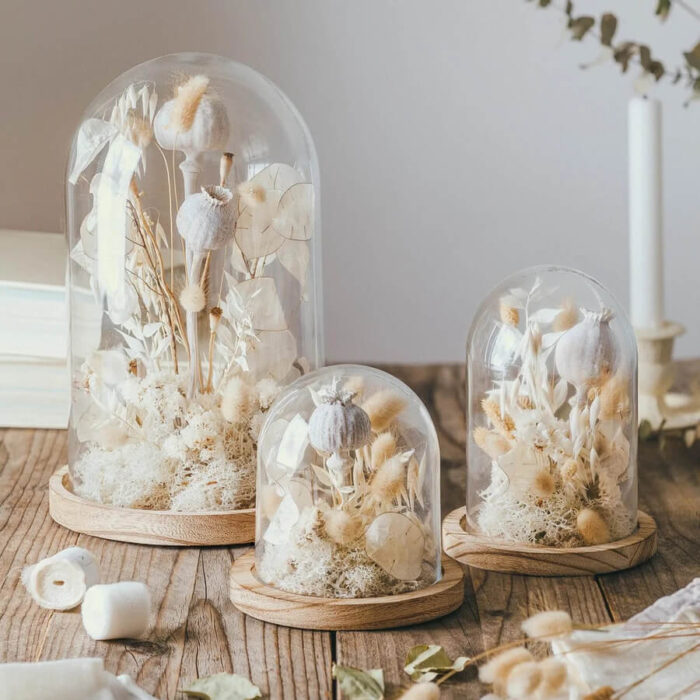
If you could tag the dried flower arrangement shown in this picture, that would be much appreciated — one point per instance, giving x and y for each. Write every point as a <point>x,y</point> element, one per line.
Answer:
<point>555,424</point>
<point>343,507</point>
<point>168,408</point>
<point>654,654</point>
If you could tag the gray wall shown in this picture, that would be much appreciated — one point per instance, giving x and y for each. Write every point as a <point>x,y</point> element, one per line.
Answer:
<point>458,141</point>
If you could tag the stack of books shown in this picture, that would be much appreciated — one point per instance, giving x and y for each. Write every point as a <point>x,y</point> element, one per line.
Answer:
<point>34,377</point>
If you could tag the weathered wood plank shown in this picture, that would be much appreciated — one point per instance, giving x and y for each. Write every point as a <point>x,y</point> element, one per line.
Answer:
<point>669,490</point>
<point>196,629</point>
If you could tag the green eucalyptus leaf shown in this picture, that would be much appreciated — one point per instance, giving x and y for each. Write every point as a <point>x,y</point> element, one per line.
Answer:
<point>693,57</point>
<point>663,7</point>
<point>623,54</point>
<point>425,662</point>
<point>569,8</point>
<point>608,26</point>
<point>357,684</point>
<point>223,686</point>
<point>580,26</point>
<point>545,3</point>
<point>645,56</point>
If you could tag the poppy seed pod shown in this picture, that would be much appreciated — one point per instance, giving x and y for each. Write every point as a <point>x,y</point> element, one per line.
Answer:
<point>206,219</point>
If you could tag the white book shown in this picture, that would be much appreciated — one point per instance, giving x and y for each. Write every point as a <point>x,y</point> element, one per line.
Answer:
<point>33,320</point>
<point>34,393</point>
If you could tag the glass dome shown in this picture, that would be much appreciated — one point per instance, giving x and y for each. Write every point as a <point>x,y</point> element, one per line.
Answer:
<point>552,448</point>
<point>348,487</point>
<point>193,224</point>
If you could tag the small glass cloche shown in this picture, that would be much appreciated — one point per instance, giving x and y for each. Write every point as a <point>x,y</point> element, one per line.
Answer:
<point>348,502</point>
<point>193,225</point>
<point>552,446</point>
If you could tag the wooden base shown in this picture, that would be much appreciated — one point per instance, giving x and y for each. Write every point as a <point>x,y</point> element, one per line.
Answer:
<point>483,552</point>
<point>162,527</point>
<point>263,602</point>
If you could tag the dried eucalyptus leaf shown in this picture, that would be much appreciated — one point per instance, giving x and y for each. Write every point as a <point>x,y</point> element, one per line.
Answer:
<point>580,26</point>
<point>223,686</point>
<point>663,8</point>
<point>357,684</point>
<point>693,57</point>
<point>425,662</point>
<point>608,27</point>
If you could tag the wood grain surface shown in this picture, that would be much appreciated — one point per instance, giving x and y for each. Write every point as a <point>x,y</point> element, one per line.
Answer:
<point>198,631</point>
<point>163,527</point>
<point>253,597</point>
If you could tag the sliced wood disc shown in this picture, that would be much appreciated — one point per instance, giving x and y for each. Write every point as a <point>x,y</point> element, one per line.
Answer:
<point>481,552</point>
<point>162,527</point>
<point>263,602</point>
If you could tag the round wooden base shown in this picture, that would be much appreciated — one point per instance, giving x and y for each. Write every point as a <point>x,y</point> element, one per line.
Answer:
<point>257,599</point>
<point>482,552</point>
<point>162,527</point>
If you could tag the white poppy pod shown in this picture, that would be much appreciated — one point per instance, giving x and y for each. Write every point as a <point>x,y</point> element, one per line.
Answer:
<point>551,381</point>
<point>206,219</point>
<point>178,284</point>
<point>338,424</point>
<point>342,522</point>
<point>209,130</point>
<point>586,353</point>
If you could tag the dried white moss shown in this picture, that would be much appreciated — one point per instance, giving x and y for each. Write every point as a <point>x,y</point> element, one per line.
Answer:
<point>179,455</point>
<point>311,564</point>
<point>547,521</point>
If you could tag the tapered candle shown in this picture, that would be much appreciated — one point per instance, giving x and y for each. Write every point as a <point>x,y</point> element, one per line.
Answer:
<point>645,214</point>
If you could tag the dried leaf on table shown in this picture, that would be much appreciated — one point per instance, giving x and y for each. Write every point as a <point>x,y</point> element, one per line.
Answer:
<point>425,662</point>
<point>223,686</point>
<point>357,684</point>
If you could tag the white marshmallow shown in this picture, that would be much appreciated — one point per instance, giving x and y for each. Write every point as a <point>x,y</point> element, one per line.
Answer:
<point>117,610</point>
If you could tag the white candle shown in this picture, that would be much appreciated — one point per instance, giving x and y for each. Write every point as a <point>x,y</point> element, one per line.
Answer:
<point>645,214</point>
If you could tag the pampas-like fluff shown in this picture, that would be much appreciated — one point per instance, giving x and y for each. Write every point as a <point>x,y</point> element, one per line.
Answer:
<point>503,423</point>
<point>389,480</point>
<point>497,670</point>
<point>490,442</point>
<point>523,679</point>
<point>192,298</point>
<point>548,625</point>
<point>383,408</point>
<point>187,99</point>
<point>237,401</point>
<point>383,447</point>
<point>342,527</point>
<point>592,528</point>
<point>554,674</point>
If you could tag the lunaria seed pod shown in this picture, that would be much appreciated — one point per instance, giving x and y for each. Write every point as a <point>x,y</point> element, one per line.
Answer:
<point>586,353</point>
<point>206,219</point>
<point>337,423</point>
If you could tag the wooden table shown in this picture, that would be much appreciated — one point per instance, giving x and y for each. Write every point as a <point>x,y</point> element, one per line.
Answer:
<point>198,632</point>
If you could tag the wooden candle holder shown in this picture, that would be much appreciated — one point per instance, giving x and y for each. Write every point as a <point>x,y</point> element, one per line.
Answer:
<point>161,527</point>
<point>468,547</point>
<point>263,602</point>
<point>656,375</point>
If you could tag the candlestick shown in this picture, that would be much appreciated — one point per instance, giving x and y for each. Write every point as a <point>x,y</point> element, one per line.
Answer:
<point>645,214</point>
